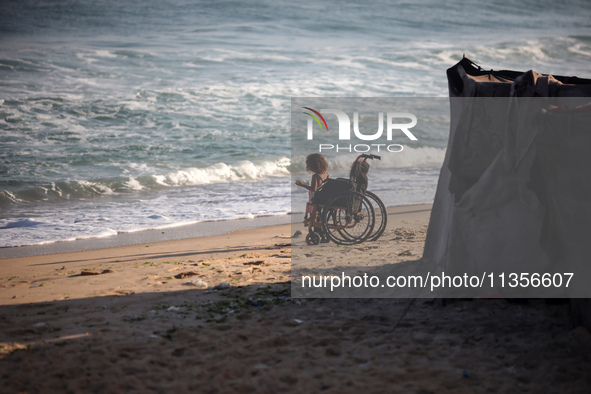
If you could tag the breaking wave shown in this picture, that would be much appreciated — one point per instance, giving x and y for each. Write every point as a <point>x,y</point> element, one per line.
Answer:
<point>79,189</point>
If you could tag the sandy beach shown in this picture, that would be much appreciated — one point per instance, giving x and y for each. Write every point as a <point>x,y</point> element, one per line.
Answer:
<point>215,315</point>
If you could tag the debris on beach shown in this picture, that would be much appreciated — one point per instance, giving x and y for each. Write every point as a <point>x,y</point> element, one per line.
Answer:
<point>283,245</point>
<point>89,271</point>
<point>199,283</point>
<point>222,286</point>
<point>187,274</point>
<point>408,234</point>
<point>257,262</point>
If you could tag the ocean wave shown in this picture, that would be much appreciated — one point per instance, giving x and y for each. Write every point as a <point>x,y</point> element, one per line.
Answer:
<point>79,189</point>
<point>545,55</point>
<point>242,171</point>
<point>222,172</point>
<point>22,223</point>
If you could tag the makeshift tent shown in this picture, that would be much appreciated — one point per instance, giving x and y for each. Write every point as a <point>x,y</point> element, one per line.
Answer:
<point>514,192</point>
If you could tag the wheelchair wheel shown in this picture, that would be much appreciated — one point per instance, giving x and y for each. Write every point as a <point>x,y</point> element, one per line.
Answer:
<point>381,218</point>
<point>312,238</point>
<point>380,214</point>
<point>348,219</point>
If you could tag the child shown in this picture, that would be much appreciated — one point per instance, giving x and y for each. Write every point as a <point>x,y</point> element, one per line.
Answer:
<point>315,163</point>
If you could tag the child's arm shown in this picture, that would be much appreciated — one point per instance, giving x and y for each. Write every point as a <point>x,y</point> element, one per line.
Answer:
<point>304,186</point>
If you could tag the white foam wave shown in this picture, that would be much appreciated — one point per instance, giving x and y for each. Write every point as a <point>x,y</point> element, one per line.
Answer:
<point>9,197</point>
<point>223,55</point>
<point>580,49</point>
<point>222,172</point>
<point>105,53</point>
<point>96,187</point>
<point>133,184</point>
<point>414,65</point>
<point>533,50</point>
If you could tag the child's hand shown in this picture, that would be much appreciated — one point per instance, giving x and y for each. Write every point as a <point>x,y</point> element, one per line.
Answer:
<point>299,183</point>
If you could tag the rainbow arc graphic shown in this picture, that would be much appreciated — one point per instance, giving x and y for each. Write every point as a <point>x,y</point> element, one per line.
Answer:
<point>315,116</point>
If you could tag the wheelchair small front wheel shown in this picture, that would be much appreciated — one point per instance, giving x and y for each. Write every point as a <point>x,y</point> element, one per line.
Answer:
<point>312,238</point>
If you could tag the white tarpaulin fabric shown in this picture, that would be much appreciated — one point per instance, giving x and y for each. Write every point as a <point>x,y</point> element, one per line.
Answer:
<point>514,192</point>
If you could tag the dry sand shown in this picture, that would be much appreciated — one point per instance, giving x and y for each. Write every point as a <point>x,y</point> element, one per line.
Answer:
<point>142,320</point>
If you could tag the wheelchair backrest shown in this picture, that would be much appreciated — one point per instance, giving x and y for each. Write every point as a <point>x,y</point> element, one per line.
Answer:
<point>331,188</point>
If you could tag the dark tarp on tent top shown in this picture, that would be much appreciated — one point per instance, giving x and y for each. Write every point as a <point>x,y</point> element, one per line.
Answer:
<point>514,192</point>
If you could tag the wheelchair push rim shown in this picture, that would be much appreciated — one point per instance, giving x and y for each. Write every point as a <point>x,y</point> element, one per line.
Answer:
<point>348,219</point>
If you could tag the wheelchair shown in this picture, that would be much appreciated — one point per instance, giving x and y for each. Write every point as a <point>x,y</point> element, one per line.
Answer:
<point>344,211</point>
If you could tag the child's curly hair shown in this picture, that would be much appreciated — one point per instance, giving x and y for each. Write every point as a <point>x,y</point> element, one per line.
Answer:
<point>316,163</point>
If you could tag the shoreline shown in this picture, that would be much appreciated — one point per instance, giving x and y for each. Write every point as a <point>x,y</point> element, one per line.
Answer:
<point>194,230</point>
<point>187,231</point>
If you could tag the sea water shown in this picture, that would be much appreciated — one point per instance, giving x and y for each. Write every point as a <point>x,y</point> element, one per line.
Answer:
<point>124,116</point>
